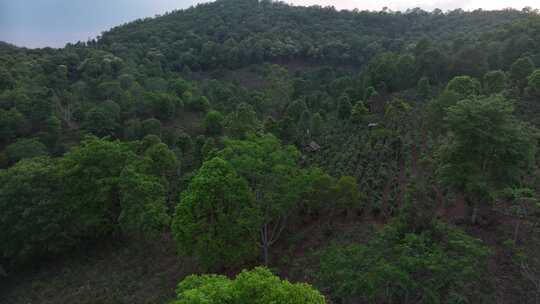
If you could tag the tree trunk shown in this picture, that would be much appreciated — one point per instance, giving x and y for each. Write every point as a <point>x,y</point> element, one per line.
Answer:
<point>516,231</point>
<point>265,243</point>
<point>474,214</point>
<point>265,254</point>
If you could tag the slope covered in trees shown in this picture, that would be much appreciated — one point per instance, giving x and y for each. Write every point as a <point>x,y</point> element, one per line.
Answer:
<point>378,157</point>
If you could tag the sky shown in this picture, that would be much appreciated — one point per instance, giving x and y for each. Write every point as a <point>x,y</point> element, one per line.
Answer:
<point>53,23</point>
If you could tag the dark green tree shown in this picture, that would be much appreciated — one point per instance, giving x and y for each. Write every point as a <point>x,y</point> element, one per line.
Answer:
<point>213,123</point>
<point>464,86</point>
<point>33,220</point>
<point>398,264</point>
<point>90,176</point>
<point>534,83</point>
<point>344,107</point>
<point>142,203</point>
<point>494,82</point>
<point>520,70</point>
<point>317,125</point>
<point>25,148</point>
<point>100,122</point>
<point>151,126</point>
<point>274,177</point>
<point>487,148</point>
<point>424,87</point>
<point>359,112</point>
<point>216,218</point>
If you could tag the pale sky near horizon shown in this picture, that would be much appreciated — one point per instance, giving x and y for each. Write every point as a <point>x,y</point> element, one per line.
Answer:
<point>40,23</point>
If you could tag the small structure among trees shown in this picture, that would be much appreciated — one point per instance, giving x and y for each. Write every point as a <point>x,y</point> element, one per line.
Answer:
<point>312,147</point>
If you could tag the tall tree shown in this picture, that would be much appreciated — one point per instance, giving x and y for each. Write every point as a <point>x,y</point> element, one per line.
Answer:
<point>216,219</point>
<point>520,70</point>
<point>494,82</point>
<point>275,179</point>
<point>213,123</point>
<point>487,147</point>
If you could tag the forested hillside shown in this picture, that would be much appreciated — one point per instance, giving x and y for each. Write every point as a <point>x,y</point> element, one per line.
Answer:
<point>246,151</point>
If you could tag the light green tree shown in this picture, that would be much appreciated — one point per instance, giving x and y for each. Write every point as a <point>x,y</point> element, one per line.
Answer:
<point>275,179</point>
<point>359,112</point>
<point>258,286</point>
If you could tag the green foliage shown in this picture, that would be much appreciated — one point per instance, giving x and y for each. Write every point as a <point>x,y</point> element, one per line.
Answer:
<point>371,92</point>
<point>160,161</point>
<point>149,141</point>
<point>11,122</point>
<point>90,178</point>
<point>6,81</point>
<point>242,121</point>
<point>321,193</point>
<point>180,86</point>
<point>198,104</point>
<point>33,220</point>
<point>464,86</point>
<point>184,142</point>
<point>432,63</point>
<point>53,131</point>
<point>208,149</point>
<point>101,122</point>
<point>330,196</point>
<point>216,220</point>
<point>142,203</point>
<point>487,146</point>
<point>520,70</point>
<point>301,68</point>
<point>317,125</point>
<point>424,87</point>
<point>213,123</point>
<point>97,188</point>
<point>344,107</point>
<point>109,90</point>
<point>383,69</point>
<point>25,148</point>
<point>288,130</point>
<point>435,265</point>
<point>436,109</point>
<point>304,124</point>
<point>348,195</point>
<point>494,82</point>
<point>397,114</point>
<point>359,112</point>
<point>296,108</point>
<point>258,286</point>
<point>164,106</point>
<point>151,126</point>
<point>133,129</point>
<point>534,83</point>
<point>274,177</point>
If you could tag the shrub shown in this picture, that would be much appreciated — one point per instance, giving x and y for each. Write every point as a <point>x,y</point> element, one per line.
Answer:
<point>258,286</point>
<point>433,265</point>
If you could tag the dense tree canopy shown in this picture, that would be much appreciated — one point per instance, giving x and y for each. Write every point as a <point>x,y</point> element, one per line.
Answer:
<point>398,264</point>
<point>487,147</point>
<point>244,132</point>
